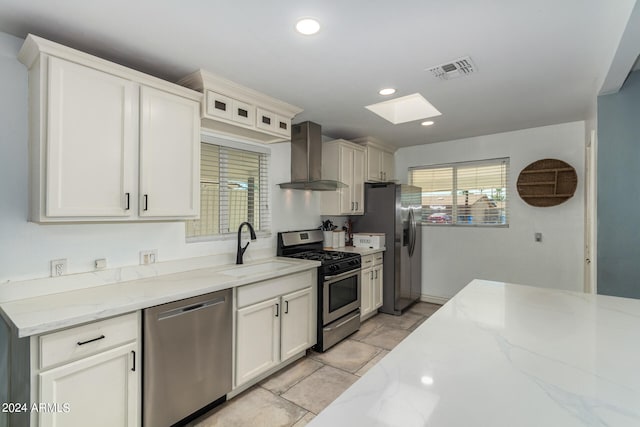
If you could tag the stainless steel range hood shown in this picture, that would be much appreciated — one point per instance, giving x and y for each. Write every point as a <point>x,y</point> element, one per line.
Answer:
<point>306,160</point>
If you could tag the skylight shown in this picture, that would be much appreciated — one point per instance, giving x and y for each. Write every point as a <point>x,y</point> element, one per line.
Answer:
<point>404,109</point>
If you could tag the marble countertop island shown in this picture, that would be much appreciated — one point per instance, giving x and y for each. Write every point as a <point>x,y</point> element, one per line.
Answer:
<point>505,355</point>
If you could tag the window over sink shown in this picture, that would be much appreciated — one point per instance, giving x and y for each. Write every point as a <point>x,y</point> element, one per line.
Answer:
<point>466,193</point>
<point>233,189</point>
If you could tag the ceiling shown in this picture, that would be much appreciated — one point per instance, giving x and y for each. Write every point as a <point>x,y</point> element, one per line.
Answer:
<point>539,62</point>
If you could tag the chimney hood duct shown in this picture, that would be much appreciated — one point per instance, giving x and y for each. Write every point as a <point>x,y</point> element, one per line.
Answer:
<point>306,160</point>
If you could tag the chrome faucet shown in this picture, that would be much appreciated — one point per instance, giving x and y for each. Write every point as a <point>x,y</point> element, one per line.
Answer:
<point>241,250</point>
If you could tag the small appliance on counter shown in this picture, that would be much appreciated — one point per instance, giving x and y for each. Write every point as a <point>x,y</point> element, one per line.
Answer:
<point>339,284</point>
<point>369,240</point>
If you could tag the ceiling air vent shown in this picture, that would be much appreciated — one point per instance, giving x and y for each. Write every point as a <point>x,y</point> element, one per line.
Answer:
<point>454,69</point>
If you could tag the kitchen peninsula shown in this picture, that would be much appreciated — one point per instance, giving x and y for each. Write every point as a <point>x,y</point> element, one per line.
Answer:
<point>501,354</point>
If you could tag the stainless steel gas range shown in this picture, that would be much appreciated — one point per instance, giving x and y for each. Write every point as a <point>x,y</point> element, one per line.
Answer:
<point>339,284</point>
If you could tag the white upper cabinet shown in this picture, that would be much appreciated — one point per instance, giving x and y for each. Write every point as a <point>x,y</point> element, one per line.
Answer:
<point>169,153</point>
<point>343,161</point>
<point>89,163</point>
<point>379,160</point>
<point>237,110</point>
<point>108,143</point>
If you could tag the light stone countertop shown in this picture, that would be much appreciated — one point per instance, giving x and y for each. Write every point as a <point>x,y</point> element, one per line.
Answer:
<point>40,314</point>
<point>505,355</point>
<point>361,251</point>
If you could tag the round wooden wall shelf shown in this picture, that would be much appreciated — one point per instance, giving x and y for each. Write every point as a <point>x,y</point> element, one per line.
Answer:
<point>547,182</point>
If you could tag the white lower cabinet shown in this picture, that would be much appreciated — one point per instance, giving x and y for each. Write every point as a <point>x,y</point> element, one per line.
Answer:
<point>377,287</point>
<point>89,375</point>
<point>275,321</point>
<point>371,289</point>
<point>296,324</point>
<point>366,290</point>
<point>258,339</point>
<point>100,390</point>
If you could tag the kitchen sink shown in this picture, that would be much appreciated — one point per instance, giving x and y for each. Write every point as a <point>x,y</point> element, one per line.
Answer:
<point>248,270</point>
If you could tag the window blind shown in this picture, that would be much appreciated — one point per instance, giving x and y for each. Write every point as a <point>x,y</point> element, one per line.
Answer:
<point>469,193</point>
<point>233,189</point>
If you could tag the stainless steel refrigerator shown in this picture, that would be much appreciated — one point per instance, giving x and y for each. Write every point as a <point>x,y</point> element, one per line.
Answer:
<point>396,210</point>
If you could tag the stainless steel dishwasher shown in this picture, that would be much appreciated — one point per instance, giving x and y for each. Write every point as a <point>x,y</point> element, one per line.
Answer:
<point>187,357</point>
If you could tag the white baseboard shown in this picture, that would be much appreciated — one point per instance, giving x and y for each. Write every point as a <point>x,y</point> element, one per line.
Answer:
<point>433,299</point>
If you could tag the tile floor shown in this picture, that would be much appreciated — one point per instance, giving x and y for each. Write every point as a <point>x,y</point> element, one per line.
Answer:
<point>294,395</point>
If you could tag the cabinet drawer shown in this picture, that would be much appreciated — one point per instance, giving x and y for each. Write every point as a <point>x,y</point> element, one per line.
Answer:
<point>261,291</point>
<point>367,261</point>
<point>81,341</point>
<point>377,258</point>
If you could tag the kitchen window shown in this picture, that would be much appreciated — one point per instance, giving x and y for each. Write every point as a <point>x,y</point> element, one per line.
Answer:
<point>233,189</point>
<point>464,194</point>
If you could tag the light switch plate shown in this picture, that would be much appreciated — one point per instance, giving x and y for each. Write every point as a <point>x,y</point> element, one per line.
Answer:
<point>538,237</point>
<point>149,256</point>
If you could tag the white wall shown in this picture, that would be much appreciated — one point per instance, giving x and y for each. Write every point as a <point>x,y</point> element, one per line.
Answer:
<point>453,256</point>
<point>26,248</point>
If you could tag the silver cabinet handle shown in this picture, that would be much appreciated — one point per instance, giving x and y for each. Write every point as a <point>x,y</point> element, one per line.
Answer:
<point>277,309</point>
<point>352,204</point>
<point>286,307</point>
<point>356,205</point>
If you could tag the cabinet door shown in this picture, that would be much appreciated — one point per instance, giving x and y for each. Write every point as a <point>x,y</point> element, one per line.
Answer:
<point>376,288</point>
<point>374,161</point>
<point>169,155</point>
<point>347,204</point>
<point>298,321</point>
<point>91,142</point>
<point>219,105</point>
<point>366,296</point>
<point>266,120</point>
<point>100,390</point>
<point>257,339</point>
<point>388,166</point>
<point>357,182</point>
<point>244,113</point>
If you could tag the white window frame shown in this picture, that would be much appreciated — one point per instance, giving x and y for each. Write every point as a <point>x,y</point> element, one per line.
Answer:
<point>264,202</point>
<point>454,191</point>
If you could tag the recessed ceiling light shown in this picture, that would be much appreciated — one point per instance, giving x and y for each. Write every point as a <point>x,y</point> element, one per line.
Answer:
<point>427,123</point>
<point>387,91</point>
<point>307,26</point>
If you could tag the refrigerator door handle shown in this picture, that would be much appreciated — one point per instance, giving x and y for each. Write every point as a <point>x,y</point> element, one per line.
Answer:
<point>412,231</point>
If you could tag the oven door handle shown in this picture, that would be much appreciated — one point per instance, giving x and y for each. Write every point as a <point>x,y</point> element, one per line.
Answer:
<point>331,328</point>
<point>343,275</point>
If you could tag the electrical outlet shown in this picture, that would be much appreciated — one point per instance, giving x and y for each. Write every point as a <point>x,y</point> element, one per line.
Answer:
<point>538,237</point>
<point>58,267</point>
<point>101,264</point>
<point>149,256</point>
